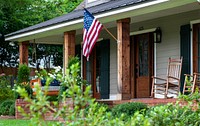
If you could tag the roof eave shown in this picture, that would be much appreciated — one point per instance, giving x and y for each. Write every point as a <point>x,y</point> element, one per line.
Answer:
<point>77,22</point>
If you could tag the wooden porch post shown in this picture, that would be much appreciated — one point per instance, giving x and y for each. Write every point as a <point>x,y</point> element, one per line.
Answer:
<point>69,46</point>
<point>23,52</point>
<point>123,53</point>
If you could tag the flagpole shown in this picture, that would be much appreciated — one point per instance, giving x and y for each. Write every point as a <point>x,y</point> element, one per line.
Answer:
<point>110,33</point>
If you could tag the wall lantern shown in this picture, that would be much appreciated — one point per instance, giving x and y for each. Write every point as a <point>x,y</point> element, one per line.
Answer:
<point>158,35</point>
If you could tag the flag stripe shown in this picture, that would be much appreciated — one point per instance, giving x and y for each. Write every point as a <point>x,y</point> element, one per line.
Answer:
<point>93,42</point>
<point>95,37</point>
<point>92,28</point>
<point>92,33</point>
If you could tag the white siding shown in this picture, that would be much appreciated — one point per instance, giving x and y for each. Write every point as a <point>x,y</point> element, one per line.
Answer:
<point>170,45</point>
<point>113,68</point>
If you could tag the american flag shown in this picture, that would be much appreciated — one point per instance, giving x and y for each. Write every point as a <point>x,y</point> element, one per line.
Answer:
<point>91,31</point>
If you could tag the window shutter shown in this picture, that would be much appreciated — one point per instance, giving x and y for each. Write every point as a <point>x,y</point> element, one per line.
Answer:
<point>105,69</point>
<point>185,51</point>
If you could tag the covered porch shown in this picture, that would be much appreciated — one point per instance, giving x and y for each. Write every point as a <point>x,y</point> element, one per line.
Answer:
<point>121,71</point>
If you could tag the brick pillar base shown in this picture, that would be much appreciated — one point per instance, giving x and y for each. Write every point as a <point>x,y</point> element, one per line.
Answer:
<point>48,116</point>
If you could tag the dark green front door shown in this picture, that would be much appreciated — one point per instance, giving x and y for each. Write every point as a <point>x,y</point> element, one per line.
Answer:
<point>98,70</point>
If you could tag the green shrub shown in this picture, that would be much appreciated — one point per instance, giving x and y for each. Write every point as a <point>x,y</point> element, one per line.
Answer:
<point>12,110</point>
<point>63,87</point>
<point>5,90</point>
<point>169,115</point>
<point>23,73</point>
<point>127,109</point>
<point>73,60</point>
<point>53,98</point>
<point>23,80</point>
<point>3,82</point>
<point>99,105</point>
<point>27,87</point>
<point>6,93</point>
<point>7,107</point>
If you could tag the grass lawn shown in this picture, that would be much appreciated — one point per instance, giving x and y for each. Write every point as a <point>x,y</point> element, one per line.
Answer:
<point>16,122</point>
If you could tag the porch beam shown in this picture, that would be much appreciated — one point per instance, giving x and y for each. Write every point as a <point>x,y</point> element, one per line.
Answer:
<point>69,46</point>
<point>123,33</point>
<point>23,52</point>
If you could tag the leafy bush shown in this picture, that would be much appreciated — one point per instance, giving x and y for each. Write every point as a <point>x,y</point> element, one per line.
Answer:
<point>5,90</point>
<point>173,115</point>
<point>23,80</point>
<point>127,109</point>
<point>7,107</point>
<point>191,97</point>
<point>99,105</point>
<point>170,114</point>
<point>12,109</point>
<point>26,86</point>
<point>73,60</point>
<point>6,93</point>
<point>53,98</point>
<point>63,87</point>
<point>23,73</point>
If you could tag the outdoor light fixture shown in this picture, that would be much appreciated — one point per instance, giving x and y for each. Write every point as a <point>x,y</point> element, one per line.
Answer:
<point>158,35</point>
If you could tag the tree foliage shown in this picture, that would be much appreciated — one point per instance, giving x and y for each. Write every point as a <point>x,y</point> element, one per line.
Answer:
<point>19,14</point>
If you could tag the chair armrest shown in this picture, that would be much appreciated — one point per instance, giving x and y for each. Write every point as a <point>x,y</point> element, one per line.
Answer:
<point>189,75</point>
<point>173,78</point>
<point>196,73</point>
<point>159,78</point>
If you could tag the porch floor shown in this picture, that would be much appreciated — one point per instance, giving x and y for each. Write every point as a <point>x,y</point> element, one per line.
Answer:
<point>148,101</point>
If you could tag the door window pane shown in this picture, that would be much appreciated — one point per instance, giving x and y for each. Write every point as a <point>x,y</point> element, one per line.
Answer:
<point>143,55</point>
<point>88,72</point>
<point>98,68</point>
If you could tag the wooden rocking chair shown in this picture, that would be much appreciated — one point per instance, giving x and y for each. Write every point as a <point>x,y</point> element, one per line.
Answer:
<point>191,83</point>
<point>170,85</point>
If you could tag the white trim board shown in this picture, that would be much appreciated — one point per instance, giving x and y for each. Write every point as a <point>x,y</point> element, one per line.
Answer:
<point>142,31</point>
<point>195,21</point>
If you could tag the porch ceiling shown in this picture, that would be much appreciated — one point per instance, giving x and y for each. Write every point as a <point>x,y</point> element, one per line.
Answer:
<point>156,10</point>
